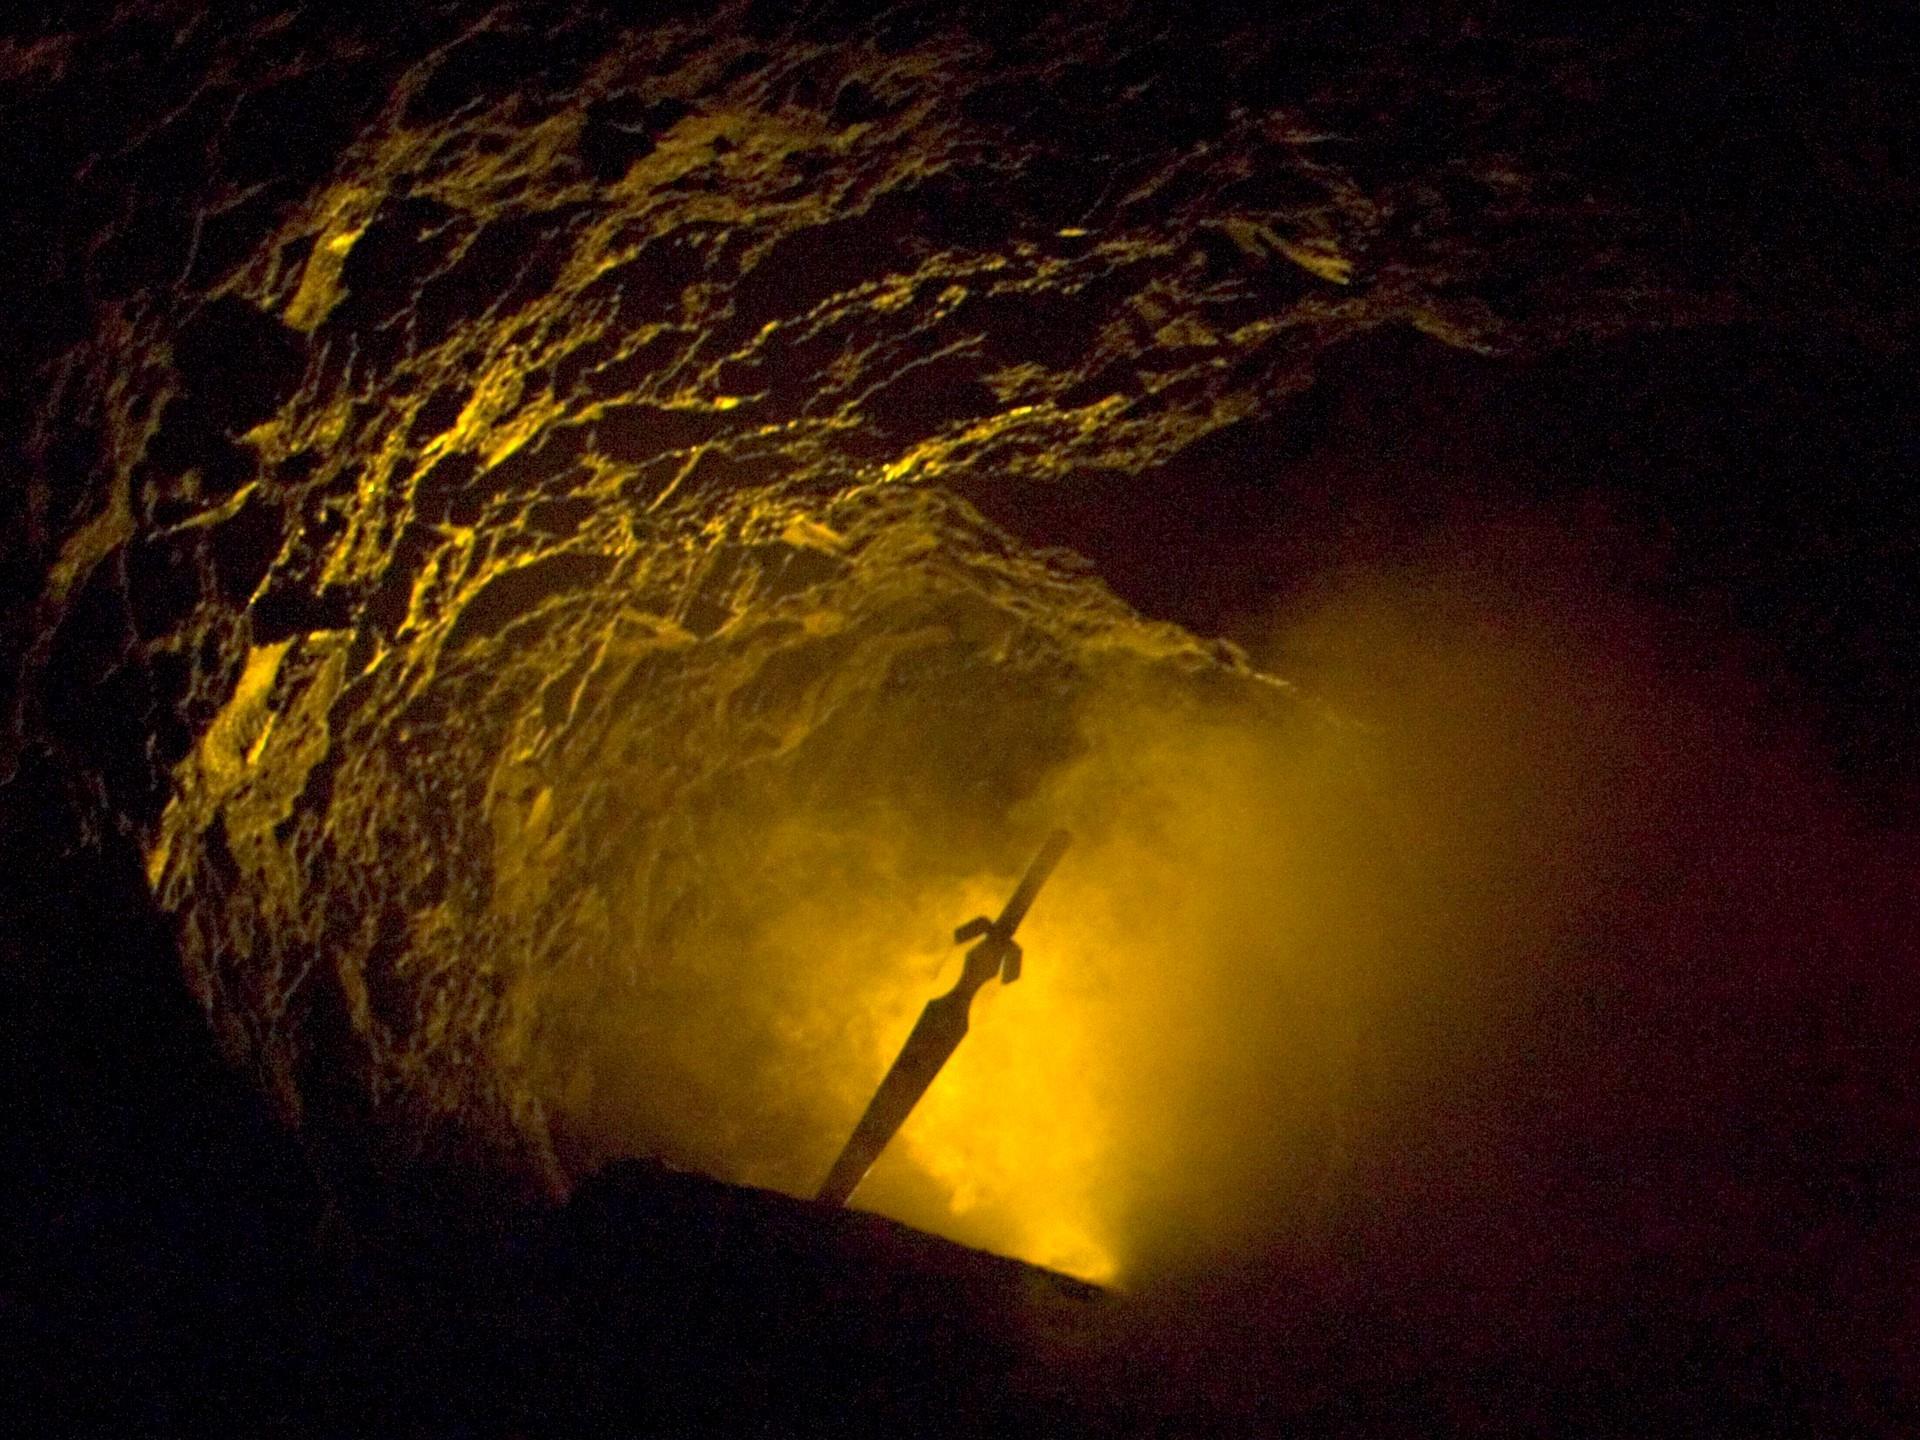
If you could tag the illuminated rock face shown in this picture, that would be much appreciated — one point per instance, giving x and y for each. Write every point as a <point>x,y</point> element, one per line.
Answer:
<point>561,693</point>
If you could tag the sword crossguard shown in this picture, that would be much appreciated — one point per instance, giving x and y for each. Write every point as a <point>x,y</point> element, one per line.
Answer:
<point>1003,949</point>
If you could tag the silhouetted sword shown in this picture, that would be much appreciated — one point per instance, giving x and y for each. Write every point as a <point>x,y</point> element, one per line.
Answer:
<point>941,1027</point>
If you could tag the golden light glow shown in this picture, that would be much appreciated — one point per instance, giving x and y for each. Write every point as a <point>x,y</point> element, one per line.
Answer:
<point>1010,1148</point>
<point>1173,1008</point>
<point>1017,1132</point>
<point>1273,937</point>
<point>1157,1024</point>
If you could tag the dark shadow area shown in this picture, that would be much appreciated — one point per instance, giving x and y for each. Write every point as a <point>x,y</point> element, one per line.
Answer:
<point>1759,484</point>
<point>170,1266</point>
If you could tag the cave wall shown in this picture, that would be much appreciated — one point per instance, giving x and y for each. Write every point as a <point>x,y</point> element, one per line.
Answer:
<point>483,476</point>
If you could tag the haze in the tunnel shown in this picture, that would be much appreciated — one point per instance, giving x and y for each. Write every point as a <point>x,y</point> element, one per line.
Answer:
<point>1636,1023</point>
<point>1525,868</point>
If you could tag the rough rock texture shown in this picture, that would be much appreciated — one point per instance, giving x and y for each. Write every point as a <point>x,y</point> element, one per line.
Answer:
<point>466,461</point>
<point>484,401</point>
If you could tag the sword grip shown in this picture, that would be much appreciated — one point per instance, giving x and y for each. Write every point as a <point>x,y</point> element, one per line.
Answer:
<point>1031,882</point>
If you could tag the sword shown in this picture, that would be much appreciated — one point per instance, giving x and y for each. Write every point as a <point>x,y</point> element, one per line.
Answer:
<point>941,1027</point>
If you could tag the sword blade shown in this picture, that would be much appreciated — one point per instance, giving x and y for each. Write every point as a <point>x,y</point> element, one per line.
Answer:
<point>936,1035</point>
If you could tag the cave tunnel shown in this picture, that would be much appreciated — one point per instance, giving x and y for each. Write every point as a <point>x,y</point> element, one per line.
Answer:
<point>553,558</point>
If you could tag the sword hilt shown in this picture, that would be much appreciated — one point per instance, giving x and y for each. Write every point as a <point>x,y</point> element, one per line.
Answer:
<point>998,934</point>
<point>995,955</point>
<point>1005,950</point>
